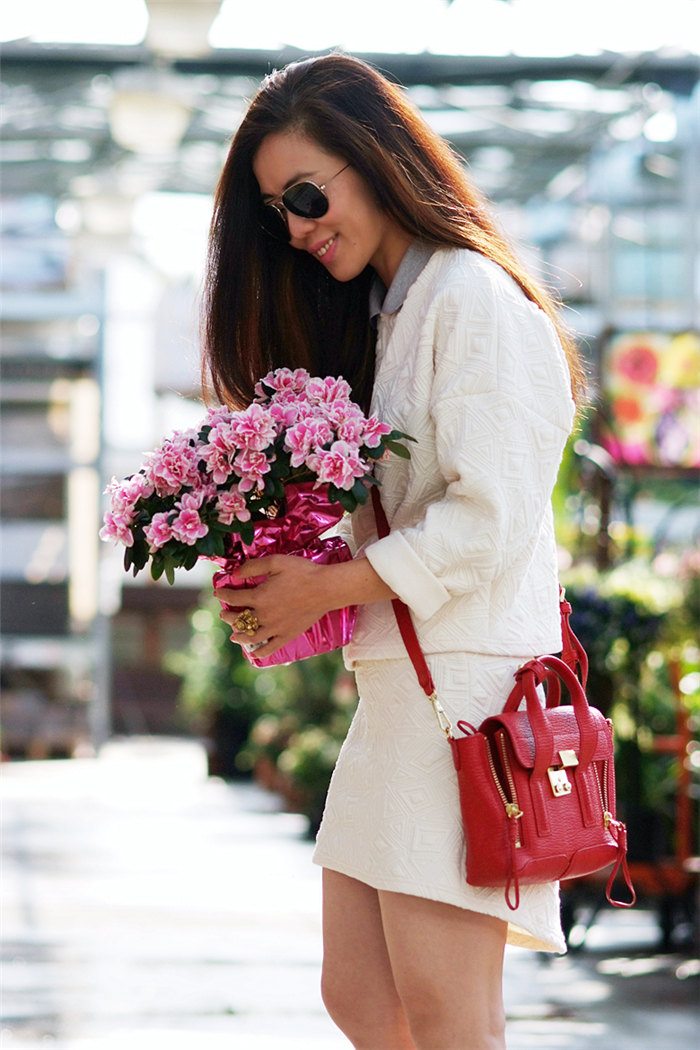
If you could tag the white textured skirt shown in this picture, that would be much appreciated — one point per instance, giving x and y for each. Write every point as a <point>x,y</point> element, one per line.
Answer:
<point>392,816</point>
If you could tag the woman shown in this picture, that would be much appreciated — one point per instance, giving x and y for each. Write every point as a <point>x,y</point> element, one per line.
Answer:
<point>347,239</point>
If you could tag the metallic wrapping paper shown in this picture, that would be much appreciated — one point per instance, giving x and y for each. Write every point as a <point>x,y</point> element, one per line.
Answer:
<point>307,515</point>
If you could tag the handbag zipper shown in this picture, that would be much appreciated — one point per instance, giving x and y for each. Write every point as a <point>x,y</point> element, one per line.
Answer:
<point>603,791</point>
<point>513,810</point>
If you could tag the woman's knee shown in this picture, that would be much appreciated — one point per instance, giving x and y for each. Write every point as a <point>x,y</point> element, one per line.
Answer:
<point>436,1024</point>
<point>369,1019</point>
<point>435,1020</point>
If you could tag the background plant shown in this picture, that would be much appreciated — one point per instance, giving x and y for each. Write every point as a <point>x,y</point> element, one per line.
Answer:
<point>286,724</point>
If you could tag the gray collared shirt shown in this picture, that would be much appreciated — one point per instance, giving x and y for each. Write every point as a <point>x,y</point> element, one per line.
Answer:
<point>383,301</point>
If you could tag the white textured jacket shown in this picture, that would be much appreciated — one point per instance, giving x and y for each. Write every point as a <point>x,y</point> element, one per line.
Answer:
<point>475,372</point>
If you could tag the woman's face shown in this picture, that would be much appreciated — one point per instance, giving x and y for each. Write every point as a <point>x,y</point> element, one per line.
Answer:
<point>354,232</point>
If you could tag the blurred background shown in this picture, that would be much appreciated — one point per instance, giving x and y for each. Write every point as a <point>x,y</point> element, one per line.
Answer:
<point>580,122</point>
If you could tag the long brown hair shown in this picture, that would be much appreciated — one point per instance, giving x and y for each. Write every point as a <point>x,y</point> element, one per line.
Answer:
<point>267,304</point>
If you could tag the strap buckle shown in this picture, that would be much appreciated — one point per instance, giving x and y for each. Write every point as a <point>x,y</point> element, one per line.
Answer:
<point>441,715</point>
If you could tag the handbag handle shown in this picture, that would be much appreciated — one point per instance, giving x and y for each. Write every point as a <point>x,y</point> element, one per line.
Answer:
<point>552,669</point>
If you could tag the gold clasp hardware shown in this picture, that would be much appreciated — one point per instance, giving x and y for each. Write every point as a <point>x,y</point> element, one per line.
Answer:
<point>559,781</point>
<point>441,715</point>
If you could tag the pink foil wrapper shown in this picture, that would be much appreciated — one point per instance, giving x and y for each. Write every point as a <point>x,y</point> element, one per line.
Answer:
<point>307,514</point>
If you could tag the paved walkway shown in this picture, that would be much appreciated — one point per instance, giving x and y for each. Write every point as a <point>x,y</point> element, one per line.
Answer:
<point>146,907</point>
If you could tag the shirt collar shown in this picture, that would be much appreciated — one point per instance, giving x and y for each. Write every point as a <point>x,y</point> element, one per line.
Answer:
<point>383,301</point>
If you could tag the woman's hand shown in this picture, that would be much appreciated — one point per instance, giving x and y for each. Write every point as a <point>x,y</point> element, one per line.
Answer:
<point>294,594</point>
<point>291,598</point>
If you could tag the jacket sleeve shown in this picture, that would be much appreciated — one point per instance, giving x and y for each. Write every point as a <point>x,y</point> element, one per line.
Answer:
<point>502,410</point>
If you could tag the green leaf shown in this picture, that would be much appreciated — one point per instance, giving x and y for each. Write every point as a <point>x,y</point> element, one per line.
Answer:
<point>157,568</point>
<point>190,559</point>
<point>280,468</point>
<point>398,450</point>
<point>360,492</point>
<point>139,551</point>
<point>347,500</point>
<point>170,573</point>
<point>247,531</point>
<point>373,453</point>
<point>206,545</point>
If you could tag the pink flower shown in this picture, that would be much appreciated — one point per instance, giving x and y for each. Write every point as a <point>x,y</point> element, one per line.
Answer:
<point>340,465</point>
<point>116,527</point>
<point>305,436</point>
<point>373,432</point>
<point>174,465</point>
<point>192,500</point>
<point>188,527</point>
<point>251,466</point>
<point>220,414</point>
<point>339,412</point>
<point>328,389</point>
<point>218,452</point>
<point>124,495</point>
<point>351,429</point>
<point>639,363</point>
<point>286,411</point>
<point>283,379</point>
<point>231,506</point>
<point>254,428</point>
<point>159,531</point>
<point>206,489</point>
<point>223,435</point>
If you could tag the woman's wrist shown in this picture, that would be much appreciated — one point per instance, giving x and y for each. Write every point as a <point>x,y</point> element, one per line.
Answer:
<point>354,583</point>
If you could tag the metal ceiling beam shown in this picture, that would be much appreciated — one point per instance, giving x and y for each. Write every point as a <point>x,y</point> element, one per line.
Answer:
<point>675,72</point>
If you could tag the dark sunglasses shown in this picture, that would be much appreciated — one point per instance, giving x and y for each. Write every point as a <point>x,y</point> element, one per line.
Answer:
<point>305,199</point>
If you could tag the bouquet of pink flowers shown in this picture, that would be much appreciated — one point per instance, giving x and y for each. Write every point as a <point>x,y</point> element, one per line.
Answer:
<point>271,477</point>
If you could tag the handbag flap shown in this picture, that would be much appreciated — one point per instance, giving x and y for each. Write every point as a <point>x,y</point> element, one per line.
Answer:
<point>562,721</point>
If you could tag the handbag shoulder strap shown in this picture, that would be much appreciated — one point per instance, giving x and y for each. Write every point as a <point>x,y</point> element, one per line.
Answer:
<point>408,631</point>
<point>573,654</point>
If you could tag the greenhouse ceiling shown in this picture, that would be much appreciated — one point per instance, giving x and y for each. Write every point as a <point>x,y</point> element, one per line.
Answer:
<point>156,110</point>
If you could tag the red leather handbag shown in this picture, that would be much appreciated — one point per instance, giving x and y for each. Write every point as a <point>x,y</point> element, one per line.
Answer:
<point>536,786</point>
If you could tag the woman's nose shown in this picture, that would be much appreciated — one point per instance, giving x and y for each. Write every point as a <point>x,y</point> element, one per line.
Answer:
<point>298,226</point>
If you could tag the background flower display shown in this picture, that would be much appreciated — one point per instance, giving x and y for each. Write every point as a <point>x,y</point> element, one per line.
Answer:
<point>651,393</point>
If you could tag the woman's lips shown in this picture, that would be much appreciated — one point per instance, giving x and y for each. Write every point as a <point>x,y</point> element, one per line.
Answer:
<point>323,250</point>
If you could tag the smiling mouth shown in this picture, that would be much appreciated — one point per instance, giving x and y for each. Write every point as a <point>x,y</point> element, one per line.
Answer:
<point>324,247</point>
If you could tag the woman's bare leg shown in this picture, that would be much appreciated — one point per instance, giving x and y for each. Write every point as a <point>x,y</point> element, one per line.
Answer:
<point>358,985</point>
<point>447,965</point>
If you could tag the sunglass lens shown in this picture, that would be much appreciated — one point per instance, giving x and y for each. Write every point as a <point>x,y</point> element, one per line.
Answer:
<point>273,223</point>
<point>305,200</point>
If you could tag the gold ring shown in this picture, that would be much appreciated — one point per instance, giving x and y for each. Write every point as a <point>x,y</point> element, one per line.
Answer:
<point>246,622</point>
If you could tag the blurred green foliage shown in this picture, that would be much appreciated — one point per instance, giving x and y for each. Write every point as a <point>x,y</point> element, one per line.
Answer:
<point>640,624</point>
<point>284,723</point>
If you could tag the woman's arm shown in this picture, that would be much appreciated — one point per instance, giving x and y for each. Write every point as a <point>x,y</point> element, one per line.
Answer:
<point>502,411</point>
